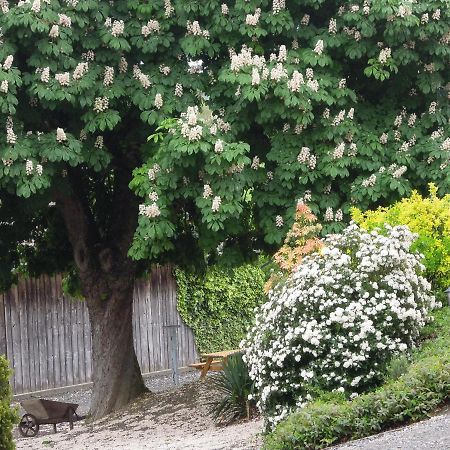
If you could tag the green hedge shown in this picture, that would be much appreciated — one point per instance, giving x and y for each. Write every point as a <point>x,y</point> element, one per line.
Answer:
<point>421,389</point>
<point>8,417</point>
<point>219,305</point>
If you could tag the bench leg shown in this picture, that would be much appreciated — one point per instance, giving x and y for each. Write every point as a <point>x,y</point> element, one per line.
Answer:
<point>54,428</point>
<point>206,368</point>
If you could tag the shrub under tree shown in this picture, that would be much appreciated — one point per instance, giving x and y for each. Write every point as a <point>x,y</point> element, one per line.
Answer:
<point>334,102</point>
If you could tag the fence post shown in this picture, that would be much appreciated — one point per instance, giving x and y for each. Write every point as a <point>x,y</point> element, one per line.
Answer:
<point>172,331</point>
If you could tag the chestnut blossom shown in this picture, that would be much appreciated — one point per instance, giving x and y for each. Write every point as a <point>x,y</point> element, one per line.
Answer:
<point>253,19</point>
<point>384,55</point>
<point>369,182</point>
<point>224,9</point>
<point>11,137</point>
<point>218,146</point>
<point>328,217</point>
<point>305,20</point>
<point>80,70</point>
<point>332,26</point>
<point>158,101</point>
<point>216,203</point>
<point>39,169</point>
<point>29,167</point>
<point>141,77</point>
<point>178,90</point>
<point>256,79</point>
<point>64,20</point>
<point>151,211</point>
<point>279,222</point>
<point>117,28</point>
<point>168,8</point>
<point>108,76</point>
<point>4,86</point>
<point>207,191</point>
<point>278,6</point>
<point>54,32</point>
<point>60,135</point>
<point>63,78</point>
<point>195,29</point>
<point>152,27</point>
<point>36,6</point>
<point>319,47</point>
<point>98,142</point>
<point>101,104</point>
<point>123,65</point>
<point>8,62</point>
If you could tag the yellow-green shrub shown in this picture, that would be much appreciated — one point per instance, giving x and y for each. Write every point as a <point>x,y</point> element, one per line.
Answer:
<point>8,416</point>
<point>429,217</point>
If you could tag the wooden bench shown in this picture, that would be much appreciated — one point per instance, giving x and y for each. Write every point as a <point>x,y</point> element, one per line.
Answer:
<point>214,366</point>
<point>213,362</point>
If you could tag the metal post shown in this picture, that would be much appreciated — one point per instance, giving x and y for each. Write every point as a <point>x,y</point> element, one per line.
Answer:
<point>173,350</point>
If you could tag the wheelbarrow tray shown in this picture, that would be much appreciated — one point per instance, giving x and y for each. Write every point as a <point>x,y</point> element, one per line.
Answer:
<point>48,410</point>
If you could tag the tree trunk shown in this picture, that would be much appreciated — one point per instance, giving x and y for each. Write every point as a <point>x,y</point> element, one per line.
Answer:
<point>116,374</point>
<point>107,278</point>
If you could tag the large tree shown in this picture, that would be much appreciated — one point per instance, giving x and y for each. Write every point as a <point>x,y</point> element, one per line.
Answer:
<point>258,104</point>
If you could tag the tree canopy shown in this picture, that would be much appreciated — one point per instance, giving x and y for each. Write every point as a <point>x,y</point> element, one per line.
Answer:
<point>337,103</point>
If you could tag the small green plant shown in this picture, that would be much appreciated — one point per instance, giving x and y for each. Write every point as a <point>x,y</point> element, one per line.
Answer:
<point>397,367</point>
<point>235,387</point>
<point>8,416</point>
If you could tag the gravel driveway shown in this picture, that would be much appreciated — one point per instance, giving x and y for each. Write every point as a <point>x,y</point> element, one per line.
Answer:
<point>432,434</point>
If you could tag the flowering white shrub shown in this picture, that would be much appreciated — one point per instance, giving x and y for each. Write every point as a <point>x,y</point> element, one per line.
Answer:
<point>335,323</point>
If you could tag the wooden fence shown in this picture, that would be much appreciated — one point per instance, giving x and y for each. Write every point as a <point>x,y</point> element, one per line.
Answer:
<point>47,339</point>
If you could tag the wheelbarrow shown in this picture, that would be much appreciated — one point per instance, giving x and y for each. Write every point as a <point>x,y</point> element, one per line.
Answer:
<point>43,412</point>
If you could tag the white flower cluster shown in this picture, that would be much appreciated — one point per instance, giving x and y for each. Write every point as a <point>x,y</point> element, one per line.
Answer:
<point>195,29</point>
<point>65,21</point>
<point>54,32</point>
<point>384,55</point>
<point>63,78</point>
<point>60,135</point>
<point>117,28</point>
<point>253,19</point>
<point>319,47</point>
<point>80,70</point>
<point>152,27</point>
<point>278,6</point>
<point>108,76</point>
<point>8,62</point>
<point>141,77</point>
<point>338,319</point>
<point>4,86</point>
<point>306,157</point>
<point>151,211</point>
<point>216,203</point>
<point>158,101</point>
<point>101,104</point>
<point>224,9</point>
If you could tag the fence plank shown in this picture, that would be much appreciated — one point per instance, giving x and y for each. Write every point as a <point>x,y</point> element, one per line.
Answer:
<point>47,336</point>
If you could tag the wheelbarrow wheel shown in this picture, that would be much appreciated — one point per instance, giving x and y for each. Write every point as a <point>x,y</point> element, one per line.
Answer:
<point>28,426</point>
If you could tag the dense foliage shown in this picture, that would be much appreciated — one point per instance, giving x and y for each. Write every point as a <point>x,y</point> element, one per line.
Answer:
<point>329,136</point>
<point>429,218</point>
<point>234,390</point>
<point>413,396</point>
<point>219,304</point>
<point>335,323</point>
<point>8,417</point>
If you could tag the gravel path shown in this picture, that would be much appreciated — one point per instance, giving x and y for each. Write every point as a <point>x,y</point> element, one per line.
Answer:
<point>167,418</point>
<point>432,434</point>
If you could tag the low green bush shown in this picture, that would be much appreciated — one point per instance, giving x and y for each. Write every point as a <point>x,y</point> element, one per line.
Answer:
<point>219,305</point>
<point>411,397</point>
<point>8,416</point>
